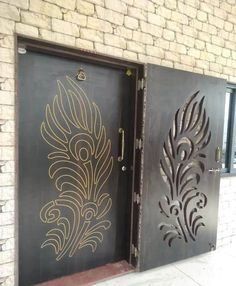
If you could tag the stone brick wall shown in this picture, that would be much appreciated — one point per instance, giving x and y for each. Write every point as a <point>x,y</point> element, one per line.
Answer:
<point>193,35</point>
<point>227,211</point>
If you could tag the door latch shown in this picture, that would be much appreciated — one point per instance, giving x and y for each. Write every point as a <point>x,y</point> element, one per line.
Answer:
<point>218,154</point>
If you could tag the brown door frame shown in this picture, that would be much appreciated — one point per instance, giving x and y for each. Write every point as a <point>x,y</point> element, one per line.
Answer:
<point>138,93</point>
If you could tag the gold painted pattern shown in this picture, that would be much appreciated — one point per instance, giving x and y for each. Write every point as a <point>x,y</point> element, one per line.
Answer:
<point>80,165</point>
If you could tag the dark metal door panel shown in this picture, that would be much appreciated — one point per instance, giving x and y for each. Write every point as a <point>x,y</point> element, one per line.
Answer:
<point>73,198</point>
<point>184,126</point>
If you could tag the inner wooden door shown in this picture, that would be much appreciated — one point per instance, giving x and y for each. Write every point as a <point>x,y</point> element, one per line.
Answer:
<point>75,152</point>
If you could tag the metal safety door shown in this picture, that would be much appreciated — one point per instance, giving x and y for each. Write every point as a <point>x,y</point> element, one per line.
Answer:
<point>182,140</point>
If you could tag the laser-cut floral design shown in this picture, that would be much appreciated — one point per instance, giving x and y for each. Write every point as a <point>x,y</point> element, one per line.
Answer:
<point>182,165</point>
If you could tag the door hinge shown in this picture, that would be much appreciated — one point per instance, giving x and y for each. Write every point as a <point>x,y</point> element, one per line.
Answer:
<point>139,144</point>
<point>137,198</point>
<point>134,251</point>
<point>141,83</point>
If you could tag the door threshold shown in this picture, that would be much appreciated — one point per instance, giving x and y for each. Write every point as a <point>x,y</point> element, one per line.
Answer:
<point>89,277</point>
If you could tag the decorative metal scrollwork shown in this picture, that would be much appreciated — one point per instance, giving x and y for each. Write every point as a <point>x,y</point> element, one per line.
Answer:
<point>80,165</point>
<point>182,165</point>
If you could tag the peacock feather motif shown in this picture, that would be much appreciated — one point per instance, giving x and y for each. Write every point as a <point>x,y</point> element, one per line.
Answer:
<point>182,165</point>
<point>80,164</point>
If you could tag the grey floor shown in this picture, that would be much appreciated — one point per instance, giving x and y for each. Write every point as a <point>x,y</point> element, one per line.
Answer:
<point>212,269</point>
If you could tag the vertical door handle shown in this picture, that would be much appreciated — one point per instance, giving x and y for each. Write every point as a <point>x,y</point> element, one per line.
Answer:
<point>122,149</point>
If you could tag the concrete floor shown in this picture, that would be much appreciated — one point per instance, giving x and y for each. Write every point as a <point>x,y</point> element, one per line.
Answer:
<point>212,269</point>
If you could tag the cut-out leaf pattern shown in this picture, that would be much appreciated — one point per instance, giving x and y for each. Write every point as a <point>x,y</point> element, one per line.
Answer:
<point>182,165</point>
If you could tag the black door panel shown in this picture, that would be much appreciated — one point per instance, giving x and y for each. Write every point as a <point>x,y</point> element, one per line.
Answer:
<point>183,128</point>
<point>73,197</point>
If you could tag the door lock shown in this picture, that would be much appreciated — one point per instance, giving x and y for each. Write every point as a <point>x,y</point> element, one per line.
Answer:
<point>217,170</point>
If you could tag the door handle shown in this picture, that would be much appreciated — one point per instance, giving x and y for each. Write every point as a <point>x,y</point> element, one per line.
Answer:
<point>214,170</point>
<point>122,149</point>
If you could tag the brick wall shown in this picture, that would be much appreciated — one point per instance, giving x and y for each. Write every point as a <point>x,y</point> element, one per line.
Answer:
<point>227,211</point>
<point>193,35</point>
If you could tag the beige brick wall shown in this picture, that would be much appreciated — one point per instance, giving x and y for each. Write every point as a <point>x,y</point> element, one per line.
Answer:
<point>193,35</point>
<point>227,211</point>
